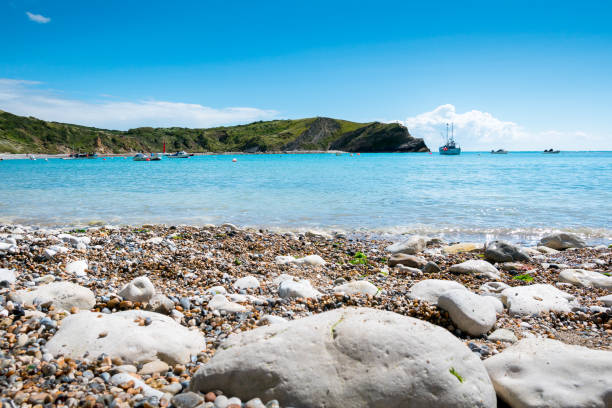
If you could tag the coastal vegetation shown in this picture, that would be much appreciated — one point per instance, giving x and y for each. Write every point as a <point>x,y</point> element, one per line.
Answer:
<point>20,134</point>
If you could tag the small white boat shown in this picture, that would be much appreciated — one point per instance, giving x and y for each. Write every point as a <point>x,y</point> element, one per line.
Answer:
<point>179,155</point>
<point>32,157</point>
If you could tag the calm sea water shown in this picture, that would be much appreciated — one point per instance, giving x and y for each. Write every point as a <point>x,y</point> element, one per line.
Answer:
<point>517,196</point>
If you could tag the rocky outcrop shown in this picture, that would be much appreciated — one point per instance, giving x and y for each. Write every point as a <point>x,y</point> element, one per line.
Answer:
<point>379,137</point>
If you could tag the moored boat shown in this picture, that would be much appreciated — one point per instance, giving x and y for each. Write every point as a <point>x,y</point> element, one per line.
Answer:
<point>450,148</point>
<point>499,151</point>
<point>551,151</point>
<point>179,155</point>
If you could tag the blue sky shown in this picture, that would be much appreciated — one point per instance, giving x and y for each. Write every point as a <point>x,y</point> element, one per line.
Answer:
<point>514,74</point>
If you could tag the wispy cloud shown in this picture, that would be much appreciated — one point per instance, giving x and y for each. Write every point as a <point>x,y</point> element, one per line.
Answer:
<point>25,98</point>
<point>38,18</point>
<point>478,130</point>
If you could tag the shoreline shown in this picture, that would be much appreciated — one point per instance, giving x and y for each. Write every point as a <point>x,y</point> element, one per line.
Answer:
<point>25,156</point>
<point>223,281</point>
<point>518,235</point>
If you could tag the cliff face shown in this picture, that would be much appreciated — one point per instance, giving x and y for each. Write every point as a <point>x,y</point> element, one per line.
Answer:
<point>20,134</point>
<point>379,137</point>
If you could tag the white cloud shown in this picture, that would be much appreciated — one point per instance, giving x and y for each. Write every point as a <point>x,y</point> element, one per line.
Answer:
<point>38,18</point>
<point>23,98</point>
<point>477,130</point>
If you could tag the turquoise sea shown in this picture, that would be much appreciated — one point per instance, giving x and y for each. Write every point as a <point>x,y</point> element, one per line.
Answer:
<point>474,196</point>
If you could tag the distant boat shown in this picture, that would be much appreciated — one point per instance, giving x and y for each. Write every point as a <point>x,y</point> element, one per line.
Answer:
<point>499,151</point>
<point>450,148</point>
<point>179,155</point>
<point>551,151</point>
<point>32,157</point>
<point>151,157</point>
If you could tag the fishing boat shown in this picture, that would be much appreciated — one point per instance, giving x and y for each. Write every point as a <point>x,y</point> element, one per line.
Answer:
<point>450,148</point>
<point>151,157</point>
<point>499,151</point>
<point>179,155</point>
<point>551,151</point>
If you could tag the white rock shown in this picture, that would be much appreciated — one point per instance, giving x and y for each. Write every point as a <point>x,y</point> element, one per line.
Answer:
<point>476,267</point>
<point>547,373</point>
<point>299,289</point>
<point>546,250</point>
<point>62,295</point>
<point>7,275</point>
<point>410,246</point>
<point>77,268</point>
<point>502,335</point>
<point>216,290</point>
<point>220,303</point>
<point>361,287</point>
<point>59,249</point>
<point>120,335</point>
<point>48,253</point>
<point>534,299</point>
<point>282,277</point>
<point>139,289</point>
<point>470,312</point>
<point>495,302</point>
<point>312,260</point>
<point>247,282</point>
<point>607,300</point>
<point>562,240</point>
<point>493,288</point>
<point>284,260</point>
<point>587,279</point>
<point>350,357</point>
<point>148,392</point>
<point>271,319</point>
<point>429,290</point>
<point>155,240</point>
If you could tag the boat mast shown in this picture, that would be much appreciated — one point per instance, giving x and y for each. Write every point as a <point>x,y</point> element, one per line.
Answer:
<point>447,133</point>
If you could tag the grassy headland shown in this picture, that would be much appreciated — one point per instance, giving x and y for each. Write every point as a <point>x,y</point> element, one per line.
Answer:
<point>20,134</point>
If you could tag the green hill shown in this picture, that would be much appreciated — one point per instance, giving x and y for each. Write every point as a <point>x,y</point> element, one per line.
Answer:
<point>19,134</point>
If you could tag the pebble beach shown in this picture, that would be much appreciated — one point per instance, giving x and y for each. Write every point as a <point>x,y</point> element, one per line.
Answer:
<point>222,316</point>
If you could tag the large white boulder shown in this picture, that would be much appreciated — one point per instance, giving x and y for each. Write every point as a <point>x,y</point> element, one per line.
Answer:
<point>410,246</point>
<point>562,240</point>
<point>352,357</point>
<point>587,279</point>
<point>547,373</point>
<point>470,312</point>
<point>247,282</point>
<point>476,267</point>
<point>429,290</point>
<point>139,289</point>
<point>360,287</point>
<point>122,335</point>
<point>534,299</point>
<point>62,295</point>
<point>297,289</point>
<point>77,268</point>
